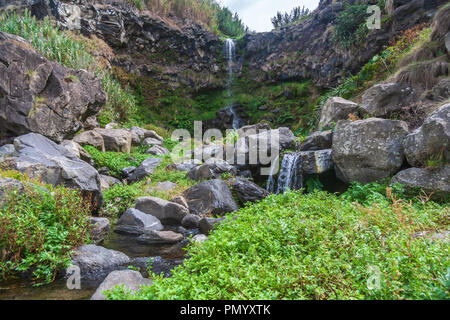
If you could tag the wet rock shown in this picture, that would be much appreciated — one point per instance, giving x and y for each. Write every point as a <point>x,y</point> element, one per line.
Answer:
<point>318,141</point>
<point>247,191</point>
<point>191,221</point>
<point>369,150</point>
<point>116,140</point>
<point>210,197</point>
<point>431,140</point>
<point>41,96</point>
<point>435,182</point>
<point>317,162</point>
<point>385,99</point>
<point>41,158</point>
<point>162,209</point>
<point>99,229</point>
<point>206,225</point>
<point>160,237</point>
<point>96,262</point>
<point>158,151</point>
<point>107,182</point>
<point>134,222</point>
<point>335,109</point>
<point>91,138</point>
<point>145,169</point>
<point>132,280</point>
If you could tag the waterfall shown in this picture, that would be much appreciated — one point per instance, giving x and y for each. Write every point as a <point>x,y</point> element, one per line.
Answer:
<point>290,176</point>
<point>230,52</point>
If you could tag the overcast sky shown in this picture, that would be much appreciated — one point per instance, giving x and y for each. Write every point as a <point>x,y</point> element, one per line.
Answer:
<point>256,14</point>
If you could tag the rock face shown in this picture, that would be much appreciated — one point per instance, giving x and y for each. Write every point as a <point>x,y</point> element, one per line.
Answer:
<point>383,100</point>
<point>162,209</point>
<point>132,280</point>
<point>368,150</point>
<point>316,162</point>
<point>43,159</point>
<point>146,168</point>
<point>335,109</point>
<point>116,140</point>
<point>135,222</point>
<point>318,141</point>
<point>210,197</point>
<point>248,191</point>
<point>435,182</point>
<point>431,140</point>
<point>95,262</point>
<point>99,229</point>
<point>37,95</point>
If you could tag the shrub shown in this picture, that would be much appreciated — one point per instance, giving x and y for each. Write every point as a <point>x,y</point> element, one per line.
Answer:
<point>350,25</point>
<point>39,228</point>
<point>315,246</point>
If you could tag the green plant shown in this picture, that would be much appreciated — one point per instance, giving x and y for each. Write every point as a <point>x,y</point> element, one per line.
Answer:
<point>350,26</point>
<point>313,184</point>
<point>39,228</point>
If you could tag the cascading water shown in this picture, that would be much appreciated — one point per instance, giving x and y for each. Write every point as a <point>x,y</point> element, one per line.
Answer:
<point>290,176</point>
<point>230,52</point>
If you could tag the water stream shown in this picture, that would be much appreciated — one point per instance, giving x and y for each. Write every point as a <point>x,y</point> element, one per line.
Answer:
<point>230,53</point>
<point>290,174</point>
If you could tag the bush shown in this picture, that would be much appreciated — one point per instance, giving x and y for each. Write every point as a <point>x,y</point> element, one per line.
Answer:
<point>315,246</point>
<point>350,25</point>
<point>39,228</point>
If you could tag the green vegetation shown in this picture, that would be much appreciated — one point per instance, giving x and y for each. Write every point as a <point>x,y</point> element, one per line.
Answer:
<point>316,246</point>
<point>350,25</point>
<point>297,15</point>
<point>63,47</point>
<point>39,228</point>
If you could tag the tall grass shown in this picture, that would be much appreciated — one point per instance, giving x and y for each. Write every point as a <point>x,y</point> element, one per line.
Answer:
<point>62,47</point>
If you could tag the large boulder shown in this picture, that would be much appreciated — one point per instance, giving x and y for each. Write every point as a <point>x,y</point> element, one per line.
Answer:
<point>157,150</point>
<point>95,262</point>
<point>99,229</point>
<point>316,162</point>
<point>213,168</point>
<point>91,138</point>
<point>185,165</point>
<point>210,197</point>
<point>145,169</point>
<point>431,140</point>
<point>385,99</point>
<point>368,150</point>
<point>435,182</point>
<point>162,209</point>
<point>41,96</point>
<point>41,158</point>
<point>78,151</point>
<point>135,222</point>
<point>335,109</point>
<point>132,280</point>
<point>247,191</point>
<point>319,140</point>
<point>116,140</point>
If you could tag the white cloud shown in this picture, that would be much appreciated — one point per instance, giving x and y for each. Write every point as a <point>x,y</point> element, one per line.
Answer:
<point>256,14</point>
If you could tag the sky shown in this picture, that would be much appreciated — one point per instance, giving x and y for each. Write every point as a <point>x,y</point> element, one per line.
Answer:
<point>256,14</point>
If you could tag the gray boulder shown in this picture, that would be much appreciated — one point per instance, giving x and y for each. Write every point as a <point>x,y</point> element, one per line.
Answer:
<point>91,138</point>
<point>185,165</point>
<point>200,238</point>
<point>107,181</point>
<point>431,140</point>
<point>335,109</point>
<point>152,142</point>
<point>99,229</point>
<point>151,237</point>
<point>158,151</point>
<point>318,141</point>
<point>383,100</point>
<point>41,96</point>
<point>368,150</point>
<point>162,209</point>
<point>191,221</point>
<point>145,169</point>
<point>153,135</point>
<point>435,182</point>
<point>135,222</point>
<point>247,191</point>
<point>132,280</point>
<point>6,151</point>
<point>210,197</point>
<point>180,200</point>
<point>41,158</point>
<point>78,151</point>
<point>165,186</point>
<point>317,162</point>
<point>95,262</point>
<point>116,140</point>
<point>213,168</point>
<point>206,225</point>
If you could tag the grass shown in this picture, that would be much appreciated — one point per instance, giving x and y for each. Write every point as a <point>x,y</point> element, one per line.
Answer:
<point>315,246</point>
<point>39,228</point>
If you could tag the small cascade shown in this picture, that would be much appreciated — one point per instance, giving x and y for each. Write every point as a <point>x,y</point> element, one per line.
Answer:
<point>290,175</point>
<point>230,52</point>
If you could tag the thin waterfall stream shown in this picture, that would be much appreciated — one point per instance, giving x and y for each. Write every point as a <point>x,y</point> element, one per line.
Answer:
<point>230,53</point>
